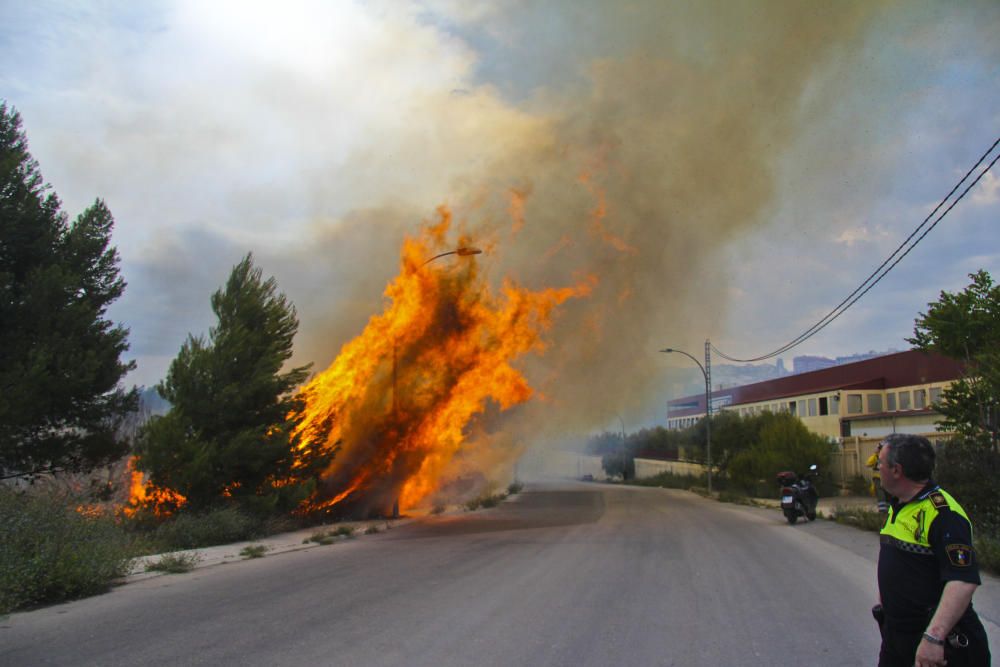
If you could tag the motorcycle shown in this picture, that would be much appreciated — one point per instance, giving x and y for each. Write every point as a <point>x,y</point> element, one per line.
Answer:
<point>798,495</point>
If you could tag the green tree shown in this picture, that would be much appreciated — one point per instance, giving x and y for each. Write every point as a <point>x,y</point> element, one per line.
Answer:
<point>60,358</point>
<point>620,463</point>
<point>731,434</point>
<point>230,434</point>
<point>783,443</point>
<point>966,326</point>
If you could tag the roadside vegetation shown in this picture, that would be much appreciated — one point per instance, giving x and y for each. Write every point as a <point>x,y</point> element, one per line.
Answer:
<point>325,537</point>
<point>174,563</point>
<point>490,499</point>
<point>50,552</point>
<point>747,452</point>
<point>254,551</point>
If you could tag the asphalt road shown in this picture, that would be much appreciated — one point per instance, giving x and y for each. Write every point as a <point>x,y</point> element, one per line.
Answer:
<point>563,574</point>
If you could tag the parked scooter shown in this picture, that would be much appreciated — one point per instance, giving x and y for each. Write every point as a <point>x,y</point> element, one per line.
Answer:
<point>798,495</point>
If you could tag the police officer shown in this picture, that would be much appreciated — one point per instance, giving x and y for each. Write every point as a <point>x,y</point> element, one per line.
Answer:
<point>927,570</point>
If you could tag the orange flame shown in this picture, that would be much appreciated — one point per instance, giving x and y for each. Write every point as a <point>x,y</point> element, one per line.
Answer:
<point>143,493</point>
<point>404,395</point>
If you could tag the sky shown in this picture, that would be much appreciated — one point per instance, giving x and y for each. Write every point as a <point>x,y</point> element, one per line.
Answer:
<point>727,170</point>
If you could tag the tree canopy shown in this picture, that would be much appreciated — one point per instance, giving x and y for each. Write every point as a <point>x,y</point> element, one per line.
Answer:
<point>60,358</point>
<point>966,326</point>
<point>782,442</point>
<point>230,434</point>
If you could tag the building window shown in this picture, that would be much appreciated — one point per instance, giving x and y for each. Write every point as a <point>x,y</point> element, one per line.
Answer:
<point>835,404</point>
<point>824,406</point>
<point>935,394</point>
<point>919,398</point>
<point>854,404</point>
<point>874,402</point>
<point>904,400</point>
<point>802,408</point>
<point>845,429</point>
<point>890,402</point>
<point>791,407</point>
<point>812,407</point>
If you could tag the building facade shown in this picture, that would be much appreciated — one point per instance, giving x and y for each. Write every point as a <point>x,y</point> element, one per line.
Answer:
<point>855,404</point>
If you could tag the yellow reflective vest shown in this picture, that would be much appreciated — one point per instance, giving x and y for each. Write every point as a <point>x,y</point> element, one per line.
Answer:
<point>873,464</point>
<point>908,527</point>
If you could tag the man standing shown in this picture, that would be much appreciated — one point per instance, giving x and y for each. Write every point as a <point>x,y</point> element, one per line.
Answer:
<point>927,570</point>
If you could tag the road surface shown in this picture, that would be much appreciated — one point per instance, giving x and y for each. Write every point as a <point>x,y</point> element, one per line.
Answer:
<point>562,574</point>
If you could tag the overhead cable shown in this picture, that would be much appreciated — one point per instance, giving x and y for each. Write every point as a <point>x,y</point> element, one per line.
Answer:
<point>886,266</point>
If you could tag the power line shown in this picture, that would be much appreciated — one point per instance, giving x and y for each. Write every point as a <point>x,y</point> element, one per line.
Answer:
<point>884,268</point>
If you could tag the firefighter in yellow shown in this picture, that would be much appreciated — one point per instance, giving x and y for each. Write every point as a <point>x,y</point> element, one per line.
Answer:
<point>927,569</point>
<point>883,505</point>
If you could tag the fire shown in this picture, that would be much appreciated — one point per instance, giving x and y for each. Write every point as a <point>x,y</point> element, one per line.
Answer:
<point>143,493</point>
<point>406,393</point>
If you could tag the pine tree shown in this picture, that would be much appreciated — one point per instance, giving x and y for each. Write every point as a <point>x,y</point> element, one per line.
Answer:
<point>229,436</point>
<point>60,359</point>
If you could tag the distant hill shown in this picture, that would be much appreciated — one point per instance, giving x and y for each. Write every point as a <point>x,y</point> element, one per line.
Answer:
<point>151,402</point>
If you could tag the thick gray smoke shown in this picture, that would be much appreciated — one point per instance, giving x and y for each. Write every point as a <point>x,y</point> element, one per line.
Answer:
<point>661,149</point>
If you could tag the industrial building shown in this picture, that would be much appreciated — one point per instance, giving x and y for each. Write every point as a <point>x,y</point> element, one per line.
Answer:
<point>855,404</point>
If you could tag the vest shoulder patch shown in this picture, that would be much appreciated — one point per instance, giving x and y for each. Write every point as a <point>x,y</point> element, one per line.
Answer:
<point>939,500</point>
<point>959,555</point>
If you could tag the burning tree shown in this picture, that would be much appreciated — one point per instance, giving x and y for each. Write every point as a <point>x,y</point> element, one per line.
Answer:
<point>409,399</point>
<point>235,432</point>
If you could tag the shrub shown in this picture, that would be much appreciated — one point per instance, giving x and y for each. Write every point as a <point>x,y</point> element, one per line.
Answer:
<point>514,488</point>
<point>50,552</point>
<point>254,551</point>
<point>437,509</point>
<point>191,531</point>
<point>322,537</point>
<point>330,536</point>
<point>784,443</point>
<point>669,480</point>
<point>371,530</point>
<point>485,500</point>
<point>175,563</point>
<point>970,472</point>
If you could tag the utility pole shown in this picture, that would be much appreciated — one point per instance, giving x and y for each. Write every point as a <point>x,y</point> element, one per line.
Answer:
<point>708,411</point>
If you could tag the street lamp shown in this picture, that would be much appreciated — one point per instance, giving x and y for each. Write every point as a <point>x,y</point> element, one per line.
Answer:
<point>464,251</point>
<point>708,412</point>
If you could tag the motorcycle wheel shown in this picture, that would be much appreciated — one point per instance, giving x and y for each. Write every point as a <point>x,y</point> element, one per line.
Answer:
<point>792,517</point>
<point>811,515</point>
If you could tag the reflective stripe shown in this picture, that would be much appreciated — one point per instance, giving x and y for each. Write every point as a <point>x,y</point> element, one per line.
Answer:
<point>908,527</point>
<point>906,546</point>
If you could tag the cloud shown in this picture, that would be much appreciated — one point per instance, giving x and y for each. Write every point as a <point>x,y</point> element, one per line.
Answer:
<point>319,133</point>
<point>987,192</point>
<point>855,235</point>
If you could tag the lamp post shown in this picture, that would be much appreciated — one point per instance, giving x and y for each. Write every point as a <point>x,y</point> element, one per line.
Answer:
<point>708,408</point>
<point>464,251</point>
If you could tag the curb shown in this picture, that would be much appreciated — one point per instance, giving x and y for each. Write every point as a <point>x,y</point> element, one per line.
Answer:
<point>224,554</point>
